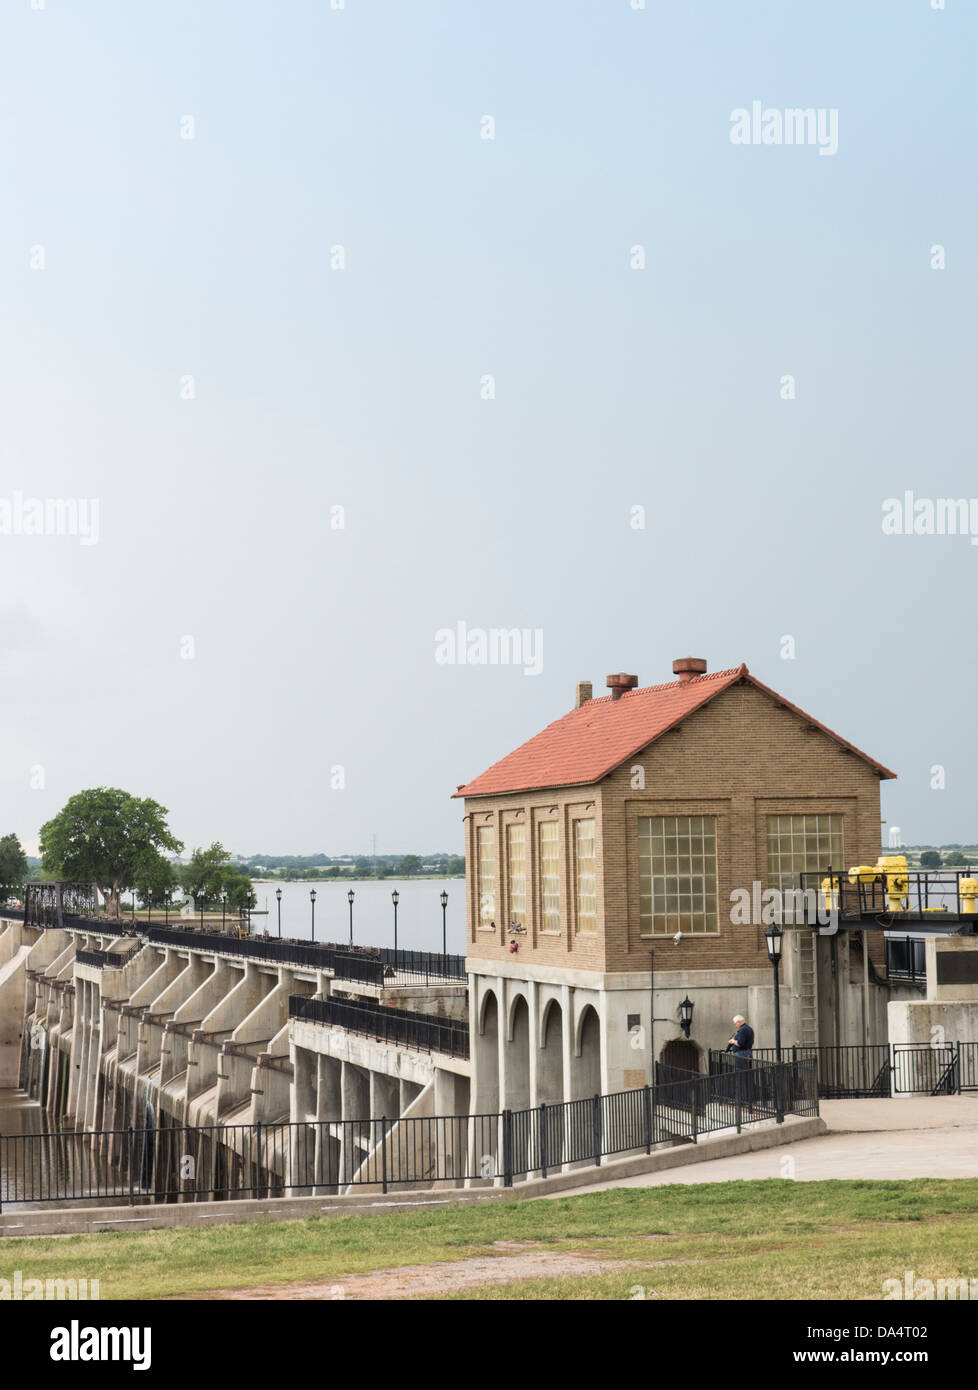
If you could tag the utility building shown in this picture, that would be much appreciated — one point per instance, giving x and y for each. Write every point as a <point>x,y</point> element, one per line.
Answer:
<point>653,820</point>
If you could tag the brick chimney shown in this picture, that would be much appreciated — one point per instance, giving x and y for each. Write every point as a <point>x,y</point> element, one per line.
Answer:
<point>582,694</point>
<point>620,684</point>
<point>686,667</point>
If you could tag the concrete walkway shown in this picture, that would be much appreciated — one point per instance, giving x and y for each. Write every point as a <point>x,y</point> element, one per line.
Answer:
<point>919,1137</point>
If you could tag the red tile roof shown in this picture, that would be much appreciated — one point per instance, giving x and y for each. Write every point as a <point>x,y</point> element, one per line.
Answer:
<point>588,743</point>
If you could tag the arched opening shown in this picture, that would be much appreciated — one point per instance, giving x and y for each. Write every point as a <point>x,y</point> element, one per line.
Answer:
<point>487,1056</point>
<point>681,1054</point>
<point>518,1058</point>
<point>550,1061</point>
<point>587,1064</point>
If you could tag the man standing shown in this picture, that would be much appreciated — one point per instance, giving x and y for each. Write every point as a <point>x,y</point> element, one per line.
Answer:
<point>742,1043</point>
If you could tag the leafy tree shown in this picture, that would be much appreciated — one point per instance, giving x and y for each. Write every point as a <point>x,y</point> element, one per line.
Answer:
<point>209,872</point>
<point>154,878</point>
<point>410,864</point>
<point>455,867</point>
<point>103,836</point>
<point>954,860</point>
<point>13,866</point>
<point>931,859</point>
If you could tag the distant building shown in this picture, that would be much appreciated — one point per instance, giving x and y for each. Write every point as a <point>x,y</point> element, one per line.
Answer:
<point>637,821</point>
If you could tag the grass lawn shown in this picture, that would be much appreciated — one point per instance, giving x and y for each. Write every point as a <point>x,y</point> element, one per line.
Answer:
<point>773,1239</point>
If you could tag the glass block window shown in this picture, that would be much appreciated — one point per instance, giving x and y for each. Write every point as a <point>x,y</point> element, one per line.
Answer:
<point>801,844</point>
<point>486,854</point>
<point>549,842</point>
<point>516,867</point>
<point>587,882</point>
<point>677,868</point>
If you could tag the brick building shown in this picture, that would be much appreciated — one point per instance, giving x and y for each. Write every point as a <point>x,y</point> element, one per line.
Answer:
<point>636,821</point>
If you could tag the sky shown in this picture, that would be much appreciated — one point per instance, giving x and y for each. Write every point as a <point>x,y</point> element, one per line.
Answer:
<point>325,330</point>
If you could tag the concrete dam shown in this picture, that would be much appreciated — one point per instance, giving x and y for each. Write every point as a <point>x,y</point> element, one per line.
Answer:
<point>241,1065</point>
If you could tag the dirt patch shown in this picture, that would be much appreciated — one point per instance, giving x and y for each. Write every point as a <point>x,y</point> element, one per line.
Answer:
<point>431,1280</point>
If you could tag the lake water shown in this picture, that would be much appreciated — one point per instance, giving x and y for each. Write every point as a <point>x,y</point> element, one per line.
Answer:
<point>418,911</point>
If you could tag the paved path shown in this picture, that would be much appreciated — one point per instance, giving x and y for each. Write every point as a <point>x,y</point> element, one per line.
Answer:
<point>930,1137</point>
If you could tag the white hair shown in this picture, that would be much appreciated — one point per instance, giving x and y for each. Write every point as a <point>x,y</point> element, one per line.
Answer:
<point>738,1018</point>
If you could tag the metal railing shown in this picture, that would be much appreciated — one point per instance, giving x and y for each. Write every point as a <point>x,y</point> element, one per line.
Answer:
<point>113,960</point>
<point>424,1032</point>
<point>341,962</point>
<point>879,1070</point>
<point>930,893</point>
<point>423,966</point>
<point>365,965</point>
<point>332,1156</point>
<point>57,904</point>
<point>906,959</point>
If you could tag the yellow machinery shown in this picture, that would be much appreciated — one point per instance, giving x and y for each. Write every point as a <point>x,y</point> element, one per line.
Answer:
<point>892,870</point>
<point>968,888</point>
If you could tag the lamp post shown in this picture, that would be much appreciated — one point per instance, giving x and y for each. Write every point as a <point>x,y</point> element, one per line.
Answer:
<point>444,938</point>
<point>166,907</point>
<point>686,1016</point>
<point>774,937</point>
<point>201,910</point>
<point>312,899</point>
<point>278,901</point>
<point>149,905</point>
<point>395,899</point>
<point>224,908</point>
<point>349,898</point>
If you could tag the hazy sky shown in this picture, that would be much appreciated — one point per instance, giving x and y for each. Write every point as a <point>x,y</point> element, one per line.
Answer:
<point>225,644</point>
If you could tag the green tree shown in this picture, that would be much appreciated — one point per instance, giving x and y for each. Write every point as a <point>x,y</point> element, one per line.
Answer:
<point>13,866</point>
<point>410,864</point>
<point>210,872</point>
<point>931,859</point>
<point>954,860</point>
<point>154,878</point>
<point>102,836</point>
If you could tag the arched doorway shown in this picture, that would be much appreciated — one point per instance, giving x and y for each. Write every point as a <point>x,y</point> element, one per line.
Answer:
<point>518,1057</point>
<point>681,1054</point>
<point>587,1062</point>
<point>487,1076</point>
<point>550,1060</point>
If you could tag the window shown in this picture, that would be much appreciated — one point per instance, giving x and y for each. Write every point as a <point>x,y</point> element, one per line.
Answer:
<point>549,832</point>
<point>486,846</point>
<point>587,884</point>
<point>798,845</point>
<point>516,866</point>
<point>677,869</point>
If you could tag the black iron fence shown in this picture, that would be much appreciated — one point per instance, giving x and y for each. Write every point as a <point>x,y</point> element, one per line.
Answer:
<point>57,904</point>
<point>364,965</point>
<point>879,1069</point>
<point>423,966</point>
<point>114,960</point>
<point>906,959</point>
<point>181,1163</point>
<point>425,1032</point>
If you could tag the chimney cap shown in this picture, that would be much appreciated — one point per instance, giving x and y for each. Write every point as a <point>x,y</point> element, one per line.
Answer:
<point>686,667</point>
<point>620,683</point>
